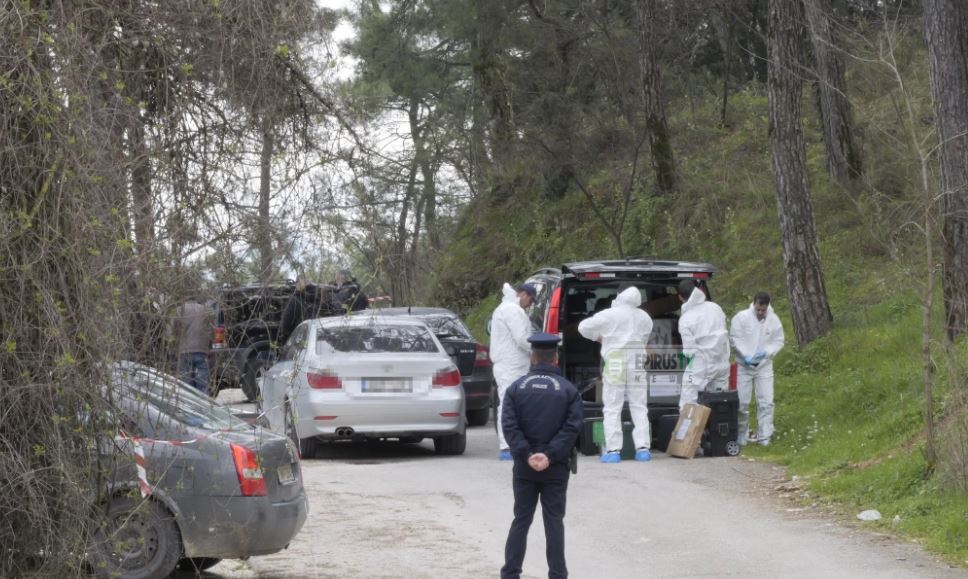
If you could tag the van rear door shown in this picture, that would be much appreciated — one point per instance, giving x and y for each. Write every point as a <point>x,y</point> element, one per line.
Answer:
<point>586,290</point>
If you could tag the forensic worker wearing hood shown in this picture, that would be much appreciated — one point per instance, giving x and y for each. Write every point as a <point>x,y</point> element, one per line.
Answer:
<point>757,337</point>
<point>623,330</point>
<point>705,344</point>
<point>510,350</point>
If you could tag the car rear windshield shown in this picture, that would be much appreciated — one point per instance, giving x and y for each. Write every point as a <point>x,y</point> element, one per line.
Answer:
<point>175,399</point>
<point>445,326</point>
<point>374,339</point>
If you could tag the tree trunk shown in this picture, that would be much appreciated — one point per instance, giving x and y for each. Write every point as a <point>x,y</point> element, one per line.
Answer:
<point>141,202</point>
<point>946,32</point>
<point>808,296</point>
<point>843,155</point>
<point>660,141</point>
<point>264,226</point>
<point>489,74</point>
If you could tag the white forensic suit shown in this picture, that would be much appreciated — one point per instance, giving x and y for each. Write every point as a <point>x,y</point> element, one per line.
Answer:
<point>510,349</point>
<point>756,342</point>
<point>624,331</point>
<point>705,343</point>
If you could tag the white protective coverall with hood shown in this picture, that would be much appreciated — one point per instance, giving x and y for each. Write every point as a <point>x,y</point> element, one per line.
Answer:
<point>624,331</point>
<point>705,341</point>
<point>510,349</point>
<point>751,336</point>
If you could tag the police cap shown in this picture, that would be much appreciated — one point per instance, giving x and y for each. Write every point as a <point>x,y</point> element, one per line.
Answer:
<point>543,341</point>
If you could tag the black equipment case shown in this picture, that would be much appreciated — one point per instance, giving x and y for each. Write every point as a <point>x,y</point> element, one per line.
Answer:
<point>720,436</point>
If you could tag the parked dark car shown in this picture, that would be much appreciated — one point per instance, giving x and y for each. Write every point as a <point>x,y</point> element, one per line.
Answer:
<point>213,486</point>
<point>579,290</point>
<point>248,322</point>
<point>469,355</point>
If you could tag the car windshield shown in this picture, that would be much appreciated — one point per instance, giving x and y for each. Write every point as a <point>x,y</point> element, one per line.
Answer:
<point>177,400</point>
<point>373,339</point>
<point>445,326</point>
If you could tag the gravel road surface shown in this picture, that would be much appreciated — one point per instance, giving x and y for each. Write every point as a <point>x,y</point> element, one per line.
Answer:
<point>398,510</point>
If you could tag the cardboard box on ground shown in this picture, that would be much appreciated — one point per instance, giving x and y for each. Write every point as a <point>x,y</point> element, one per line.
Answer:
<point>688,433</point>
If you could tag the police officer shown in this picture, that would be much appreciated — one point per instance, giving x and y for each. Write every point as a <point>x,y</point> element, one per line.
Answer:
<point>541,421</point>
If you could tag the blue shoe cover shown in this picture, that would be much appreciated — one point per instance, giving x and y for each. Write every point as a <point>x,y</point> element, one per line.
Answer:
<point>613,457</point>
<point>643,455</point>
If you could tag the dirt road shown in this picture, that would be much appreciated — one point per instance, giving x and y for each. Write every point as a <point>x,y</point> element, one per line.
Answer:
<point>392,510</point>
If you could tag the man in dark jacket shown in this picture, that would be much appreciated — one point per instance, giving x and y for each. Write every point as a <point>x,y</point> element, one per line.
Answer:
<point>541,418</point>
<point>349,296</point>
<point>300,307</point>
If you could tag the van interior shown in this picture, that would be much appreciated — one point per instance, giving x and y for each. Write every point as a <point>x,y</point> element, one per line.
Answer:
<point>581,358</point>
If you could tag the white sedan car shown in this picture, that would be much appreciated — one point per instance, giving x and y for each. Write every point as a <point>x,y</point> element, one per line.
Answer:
<point>365,377</point>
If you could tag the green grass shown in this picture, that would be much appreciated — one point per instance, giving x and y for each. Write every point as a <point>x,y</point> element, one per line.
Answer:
<point>849,420</point>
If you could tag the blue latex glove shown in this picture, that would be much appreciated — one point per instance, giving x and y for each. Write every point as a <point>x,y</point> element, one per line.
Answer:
<point>758,357</point>
<point>748,360</point>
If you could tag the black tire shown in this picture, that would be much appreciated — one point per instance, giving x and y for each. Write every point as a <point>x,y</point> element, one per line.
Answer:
<point>197,564</point>
<point>478,417</point>
<point>138,540</point>
<point>255,368</point>
<point>307,446</point>
<point>453,444</point>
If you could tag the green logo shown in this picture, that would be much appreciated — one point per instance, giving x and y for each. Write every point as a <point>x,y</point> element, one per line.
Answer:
<point>614,370</point>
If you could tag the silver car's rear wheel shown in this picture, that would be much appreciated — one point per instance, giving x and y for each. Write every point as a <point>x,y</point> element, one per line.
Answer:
<point>451,445</point>
<point>307,446</point>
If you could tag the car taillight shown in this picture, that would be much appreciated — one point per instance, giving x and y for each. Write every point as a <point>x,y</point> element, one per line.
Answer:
<point>447,378</point>
<point>482,359</point>
<point>251,481</point>
<point>554,311</point>
<point>324,380</point>
<point>218,339</point>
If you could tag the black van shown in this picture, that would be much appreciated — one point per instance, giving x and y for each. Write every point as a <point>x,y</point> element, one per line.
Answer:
<point>247,325</point>
<point>577,291</point>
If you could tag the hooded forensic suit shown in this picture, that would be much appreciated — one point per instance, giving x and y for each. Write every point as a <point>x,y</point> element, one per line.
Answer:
<point>624,330</point>
<point>510,350</point>
<point>756,343</point>
<point>705,343</point>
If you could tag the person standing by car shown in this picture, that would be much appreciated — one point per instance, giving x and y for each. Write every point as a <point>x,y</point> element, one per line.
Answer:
<point>299,308</point>
<point>705,344</point>
<point>349,295</point>
<point>195,329</point>
<point>623,330</point>
<point>757,336</point>
<point>510,351</point>
<point>541,422</point>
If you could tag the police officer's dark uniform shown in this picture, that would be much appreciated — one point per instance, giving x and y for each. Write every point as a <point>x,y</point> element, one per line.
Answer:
<point>542,414</point>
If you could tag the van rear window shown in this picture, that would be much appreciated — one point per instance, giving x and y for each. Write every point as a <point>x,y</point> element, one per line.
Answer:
<point>587,299</point>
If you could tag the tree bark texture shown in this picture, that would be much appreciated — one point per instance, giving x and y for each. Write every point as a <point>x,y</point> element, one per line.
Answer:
<point>843,154</point>
<point>660,141</point>
<point>946,32</point>
<point>489,74</point>
<point>801,257</point>
<point>264,226</point>
<point>142,206</point>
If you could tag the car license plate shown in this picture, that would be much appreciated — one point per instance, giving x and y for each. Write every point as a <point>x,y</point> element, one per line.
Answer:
<point>286,474</point>
<point>383,386</point>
